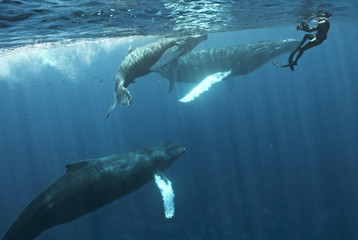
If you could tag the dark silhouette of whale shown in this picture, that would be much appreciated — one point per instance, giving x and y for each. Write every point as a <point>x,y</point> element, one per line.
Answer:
<point>149,58</point>
<point>89,185</point>
<point>226,61</point>
<point>240,59</point>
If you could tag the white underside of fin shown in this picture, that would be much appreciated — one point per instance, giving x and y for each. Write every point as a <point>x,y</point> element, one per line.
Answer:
<point>204,86</point>
<point>168,56</point>
<point>166,190</point>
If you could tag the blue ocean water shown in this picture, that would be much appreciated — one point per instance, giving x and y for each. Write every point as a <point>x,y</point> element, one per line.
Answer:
<point>273,158</point>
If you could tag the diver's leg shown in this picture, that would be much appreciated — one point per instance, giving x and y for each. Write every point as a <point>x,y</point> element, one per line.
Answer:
<point>305,47</point>
<point>290,59</point>
<point>305,38</point>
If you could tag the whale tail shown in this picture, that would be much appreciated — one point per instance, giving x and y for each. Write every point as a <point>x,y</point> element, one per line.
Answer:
<point>111,108</point>
<point>122,96</point>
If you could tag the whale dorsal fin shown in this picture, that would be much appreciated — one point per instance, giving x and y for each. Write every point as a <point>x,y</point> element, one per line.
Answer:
<point>76,166</point>
<point>169,72</point>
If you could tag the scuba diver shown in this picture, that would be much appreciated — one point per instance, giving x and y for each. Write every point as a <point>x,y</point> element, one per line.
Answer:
<point>315,39</point>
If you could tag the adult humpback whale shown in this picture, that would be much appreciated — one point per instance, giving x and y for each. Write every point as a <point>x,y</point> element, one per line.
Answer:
<point>89,185</point>
<point>215,64</point>
<point>149,58</point>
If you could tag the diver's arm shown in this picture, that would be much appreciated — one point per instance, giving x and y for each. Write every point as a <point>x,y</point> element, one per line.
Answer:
<point>308,29</point>
<point>304,27</point>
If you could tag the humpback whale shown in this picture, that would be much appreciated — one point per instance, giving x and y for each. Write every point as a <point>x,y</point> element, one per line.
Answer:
<point>149,58</point>
<point>91,184</point>
<point>216,64</point>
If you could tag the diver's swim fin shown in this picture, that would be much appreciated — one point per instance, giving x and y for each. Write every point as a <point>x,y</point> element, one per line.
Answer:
<point>290,60</point>
<point>291,67</point>
<point>280,65</point>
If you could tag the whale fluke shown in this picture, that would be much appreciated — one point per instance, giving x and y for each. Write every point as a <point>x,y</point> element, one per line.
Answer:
<point>122,96</point>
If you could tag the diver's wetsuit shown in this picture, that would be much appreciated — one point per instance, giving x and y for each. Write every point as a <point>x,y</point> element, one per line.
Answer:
<point>315,39</point>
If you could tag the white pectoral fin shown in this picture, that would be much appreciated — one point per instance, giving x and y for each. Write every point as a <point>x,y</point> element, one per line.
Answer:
<point>169,55</point>
<point>166,190</point>
<point>204,86</point>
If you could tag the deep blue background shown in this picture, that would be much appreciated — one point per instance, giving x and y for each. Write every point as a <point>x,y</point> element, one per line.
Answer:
<point>274,158</point>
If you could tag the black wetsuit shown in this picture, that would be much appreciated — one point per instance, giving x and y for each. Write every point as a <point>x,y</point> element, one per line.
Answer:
<point>315,39</point>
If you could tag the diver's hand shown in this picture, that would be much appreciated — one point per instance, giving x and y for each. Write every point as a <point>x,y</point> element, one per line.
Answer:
<point>302,25</point>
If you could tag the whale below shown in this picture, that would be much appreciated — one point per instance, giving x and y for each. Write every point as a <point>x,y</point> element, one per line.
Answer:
<point>149,58</point>
<point>89,185</point>
<point>212,65</point>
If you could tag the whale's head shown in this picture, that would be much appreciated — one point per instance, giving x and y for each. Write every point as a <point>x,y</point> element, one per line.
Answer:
<point>165,154</point>
<point>175,151</point>
<point>192,41</point>
<point>196,39</point>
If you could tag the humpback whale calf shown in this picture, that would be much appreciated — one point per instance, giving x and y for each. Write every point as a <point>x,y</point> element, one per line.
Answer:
<point>91,184</point>
<point>216,64</point>
<point>149,58</point>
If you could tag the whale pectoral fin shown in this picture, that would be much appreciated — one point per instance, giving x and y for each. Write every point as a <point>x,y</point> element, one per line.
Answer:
<point>204,85</point>
<point>169,55</point>
<point>166,190</point>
